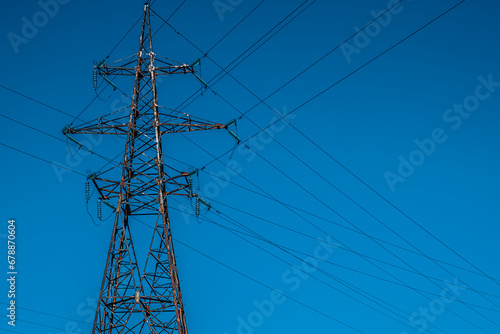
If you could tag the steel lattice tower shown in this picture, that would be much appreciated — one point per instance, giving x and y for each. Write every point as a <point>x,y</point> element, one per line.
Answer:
<point>131,300</point>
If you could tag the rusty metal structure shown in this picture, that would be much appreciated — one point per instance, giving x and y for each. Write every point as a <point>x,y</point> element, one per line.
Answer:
<point>132,300</point>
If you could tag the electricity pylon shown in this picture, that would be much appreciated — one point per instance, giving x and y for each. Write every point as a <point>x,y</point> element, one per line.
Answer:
<point>131,300</point>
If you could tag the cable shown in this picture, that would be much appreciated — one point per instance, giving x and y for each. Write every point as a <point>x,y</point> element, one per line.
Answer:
<point>36,101</point>
<point>249,48</point>
<point>175,11</point>
<point>234,27</point>
<point>56,138</point>
<point>267,286</point>
<point>205,172</point>
<point>10,331</point>
<point>312,169</point>
<point>46,161</point>
<point>247,190</point>
<point>48,326</point>
<point>373,239</point>
<point>313,215</point>
<point>321,175</point>
<point>49,314</point>
<point>359,179</point>
<point>213,175</point>
<point>389,251</point>
<point>253,234</point>
<point>352,200</point>
<point>347,249</point>
<point>41,159</point>
<point>338,81</point>
<point>124,36</point>
<point>253,191</point>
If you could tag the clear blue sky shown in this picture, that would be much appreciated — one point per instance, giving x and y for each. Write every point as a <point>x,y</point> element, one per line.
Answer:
<point>419,125</point>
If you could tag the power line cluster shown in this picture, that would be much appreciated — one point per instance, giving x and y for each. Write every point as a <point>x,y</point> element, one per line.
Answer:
<point>245,233</point>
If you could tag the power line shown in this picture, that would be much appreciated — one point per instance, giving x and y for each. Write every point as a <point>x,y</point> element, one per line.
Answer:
<point>302,161</point>
<point>267,286</point>
<point>133,217</point>
<point>260,237</point>
<point>106,158</point>
<point>354,175</point>
<point>56,138</point>
<point>373,239</point>
<point>234,27</point>
<point>339,246</point>
<point>248,189</point>
<point>248,49</point>
<point>41,159</point>
<point>353,230</point>
<point>205,172</point>
<point>36,101</point>
<point>389,251</point>
<point>49,314</point>
<point>253,234</point>
<point>313,215</point>
<point>330,182</point>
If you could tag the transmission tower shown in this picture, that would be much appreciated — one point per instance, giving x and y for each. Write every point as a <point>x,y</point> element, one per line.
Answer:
<point>131,300</point>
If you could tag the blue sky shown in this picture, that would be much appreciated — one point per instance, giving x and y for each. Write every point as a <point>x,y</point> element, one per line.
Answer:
<point>418,125</point>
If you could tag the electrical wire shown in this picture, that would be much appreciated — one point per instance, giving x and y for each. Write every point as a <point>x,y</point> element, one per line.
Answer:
<point>302,161</point>
<point>339,246</point>
<point>266,286</point>
<point>41,159</point>
<point>213,175</point>
<point>5,145</point>
<point>258,193</point>
<point>248,49</point>
<point>49,162</point>
<point>232,221</point>
<point>312,215</point>
<point>36,101</point>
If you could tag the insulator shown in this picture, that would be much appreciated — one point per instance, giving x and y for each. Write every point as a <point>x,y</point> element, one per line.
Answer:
<point>234,135</point>
<point>99,209</point>
<point>110,83</point>
<point>202,81</point>
<point>190,187</point>
<point>95,78</point>
<point>109,205</point>
<point>206,203</point>
<point>197,206</point>
<point>87,190</point>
